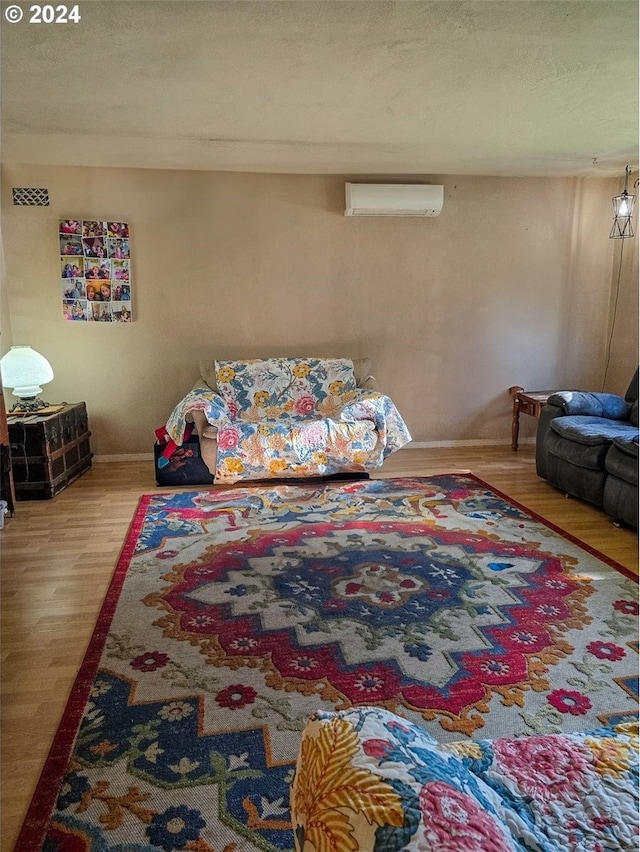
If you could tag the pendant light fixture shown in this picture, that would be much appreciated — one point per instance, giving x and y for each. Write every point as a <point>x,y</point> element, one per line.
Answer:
<point>623,211</point>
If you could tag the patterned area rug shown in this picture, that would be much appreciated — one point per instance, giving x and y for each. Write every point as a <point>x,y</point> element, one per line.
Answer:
<point>233,615</point>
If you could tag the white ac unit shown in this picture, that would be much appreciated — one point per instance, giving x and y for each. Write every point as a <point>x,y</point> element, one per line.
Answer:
<point>393,199</point>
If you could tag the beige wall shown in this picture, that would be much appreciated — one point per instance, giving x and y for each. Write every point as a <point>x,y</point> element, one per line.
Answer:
<point>511,284</point>
<point>5,319</point>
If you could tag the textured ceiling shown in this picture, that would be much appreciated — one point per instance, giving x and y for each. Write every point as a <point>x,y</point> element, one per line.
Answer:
<point>495,87</point>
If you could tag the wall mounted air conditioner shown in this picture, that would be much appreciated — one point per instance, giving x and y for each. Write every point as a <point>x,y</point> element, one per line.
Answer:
<point>393,199</point>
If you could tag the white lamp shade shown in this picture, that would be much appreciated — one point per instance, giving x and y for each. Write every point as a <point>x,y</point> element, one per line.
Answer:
<point>24,370</point>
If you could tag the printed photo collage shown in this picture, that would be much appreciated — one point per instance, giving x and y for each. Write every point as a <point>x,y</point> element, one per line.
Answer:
<point>95,271</point>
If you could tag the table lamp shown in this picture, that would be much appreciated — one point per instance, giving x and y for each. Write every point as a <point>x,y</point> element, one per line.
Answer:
<point>24,370</point>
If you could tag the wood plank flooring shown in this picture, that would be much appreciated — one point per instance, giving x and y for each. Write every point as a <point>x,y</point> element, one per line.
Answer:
<point>58,557</point>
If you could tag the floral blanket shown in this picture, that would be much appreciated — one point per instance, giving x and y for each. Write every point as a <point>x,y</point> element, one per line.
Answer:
<point>292,417</point>
<point>367,779</point>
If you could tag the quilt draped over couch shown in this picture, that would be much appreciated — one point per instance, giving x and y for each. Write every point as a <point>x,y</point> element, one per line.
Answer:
<point>291,417</point>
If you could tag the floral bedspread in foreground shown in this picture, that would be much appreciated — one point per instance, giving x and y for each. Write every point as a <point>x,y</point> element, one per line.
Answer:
<point>370,780</point>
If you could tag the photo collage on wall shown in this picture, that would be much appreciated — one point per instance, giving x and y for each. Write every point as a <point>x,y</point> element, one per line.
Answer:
<point>95,270</point>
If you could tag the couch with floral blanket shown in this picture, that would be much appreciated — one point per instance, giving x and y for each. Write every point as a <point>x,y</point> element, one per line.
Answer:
<point>369,781</point>
<point>288,417</point>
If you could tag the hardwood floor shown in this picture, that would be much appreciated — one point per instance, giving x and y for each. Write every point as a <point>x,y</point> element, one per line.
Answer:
<point>58,556</point>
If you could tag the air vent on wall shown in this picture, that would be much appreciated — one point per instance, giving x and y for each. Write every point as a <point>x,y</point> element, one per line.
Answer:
<point>29,196</point>
<point>393,199</point>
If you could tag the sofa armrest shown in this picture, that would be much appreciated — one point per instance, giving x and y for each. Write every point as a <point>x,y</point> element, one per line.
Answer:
<point>607,405</point>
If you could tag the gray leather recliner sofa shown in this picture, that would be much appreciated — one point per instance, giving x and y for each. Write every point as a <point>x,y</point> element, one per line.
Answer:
<point>587,446</point>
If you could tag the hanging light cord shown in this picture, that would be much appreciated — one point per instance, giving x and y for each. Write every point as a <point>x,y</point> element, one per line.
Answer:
<point>615,303</point>
<point>613,321</point>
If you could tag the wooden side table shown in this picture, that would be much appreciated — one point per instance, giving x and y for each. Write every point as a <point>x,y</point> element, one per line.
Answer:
<point>530,402</point>
<point>49,451</point>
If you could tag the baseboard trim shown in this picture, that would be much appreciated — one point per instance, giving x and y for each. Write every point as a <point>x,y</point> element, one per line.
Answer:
<point>471,442</point>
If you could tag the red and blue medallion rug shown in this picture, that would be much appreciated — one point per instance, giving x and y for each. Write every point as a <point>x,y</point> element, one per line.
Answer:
<point>233,615</point>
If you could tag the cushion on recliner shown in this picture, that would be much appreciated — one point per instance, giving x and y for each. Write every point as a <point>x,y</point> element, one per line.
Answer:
<point>587,483</point>
<point>628,445</point>
<point>591,431</point>
<point>622,459</point>
<point>620,494</point>
<point>589,456</point>
<point>587,404</point>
